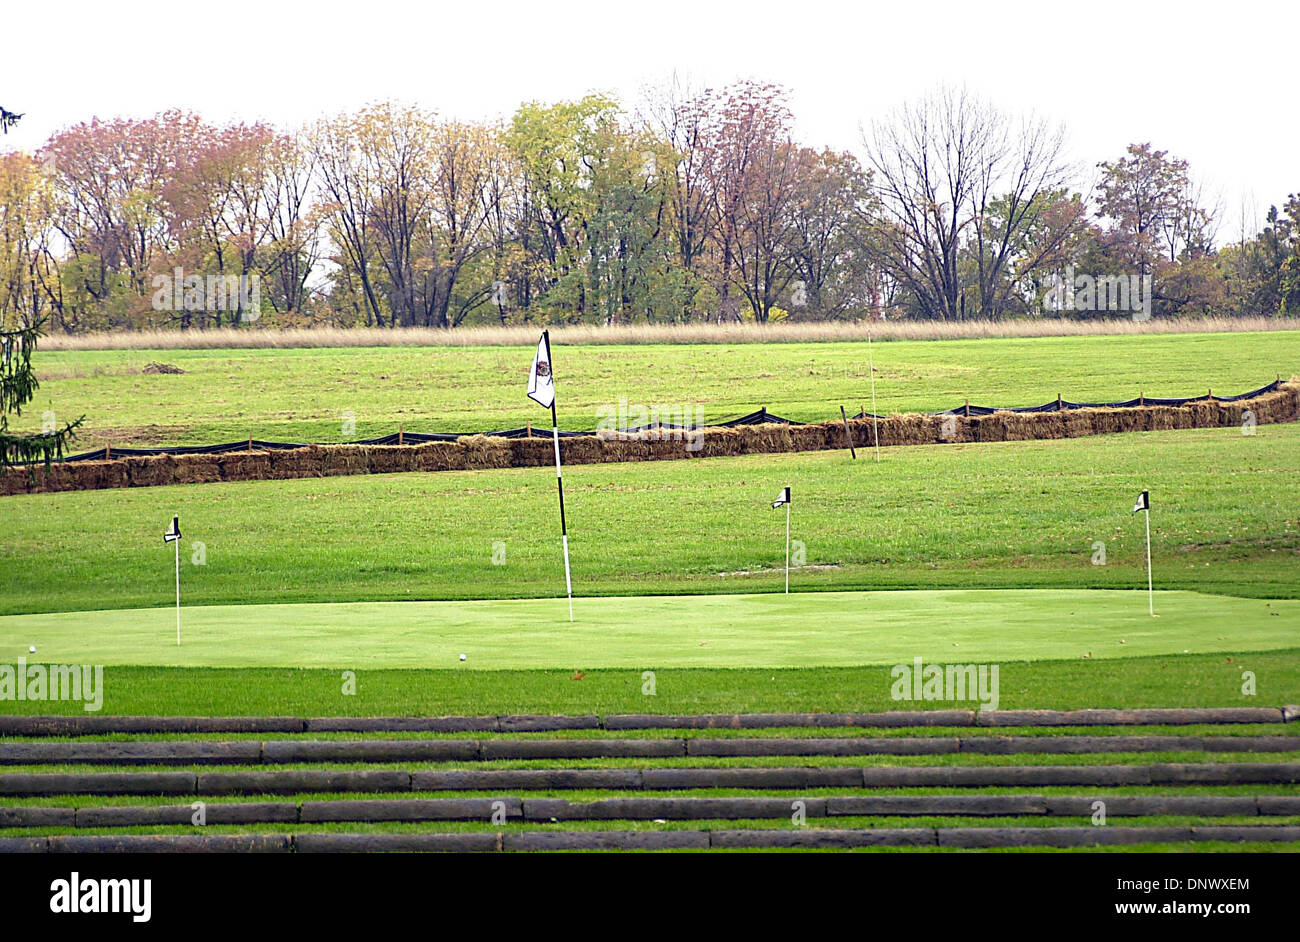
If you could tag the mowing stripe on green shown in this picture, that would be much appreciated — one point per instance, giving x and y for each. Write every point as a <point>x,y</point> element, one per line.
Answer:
<point>764,630</point>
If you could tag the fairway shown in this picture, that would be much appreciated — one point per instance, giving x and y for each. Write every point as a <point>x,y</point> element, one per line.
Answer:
<point>306,395</point>
<point>1016,514</point>
<point>771,630</point>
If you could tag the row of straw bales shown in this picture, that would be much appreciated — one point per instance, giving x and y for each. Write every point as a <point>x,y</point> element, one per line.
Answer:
<point>481,451</point>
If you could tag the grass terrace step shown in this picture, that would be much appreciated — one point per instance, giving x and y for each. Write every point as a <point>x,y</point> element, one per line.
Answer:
<point>658,779</point>
<point>13,725</point>
<point>287,752</point>
<point>640,809</point>
<point>805,838</point>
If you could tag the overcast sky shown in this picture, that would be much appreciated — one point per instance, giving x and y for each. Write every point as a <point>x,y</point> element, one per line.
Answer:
<point>1215,85</point>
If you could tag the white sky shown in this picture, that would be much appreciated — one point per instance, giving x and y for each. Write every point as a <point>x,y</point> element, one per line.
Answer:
<point>1214,84</point>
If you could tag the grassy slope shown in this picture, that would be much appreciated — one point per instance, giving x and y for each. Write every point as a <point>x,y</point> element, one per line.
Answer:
<point>770,630</point>
<point>1226,519</point>
<point>1182,680</point>
<point>301,394</point>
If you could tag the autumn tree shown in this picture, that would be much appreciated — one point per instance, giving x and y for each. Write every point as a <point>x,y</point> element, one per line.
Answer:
<point>1151,208</point>
<point>832,218</point>
<point>959,178</point>
<point>679,120</point>
<point>750,166</point>
<point>293,222</point>
<point>459,234</point>
<point>556,148</point>
<point>112,212</point>
<point>350,185</point>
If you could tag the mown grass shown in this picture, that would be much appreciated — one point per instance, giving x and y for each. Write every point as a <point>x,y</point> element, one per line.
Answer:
<point>772,630</point>
<point>1225,519</point>
<point>308,394</point>
<point>793,732</point>
<point>1170,681</point>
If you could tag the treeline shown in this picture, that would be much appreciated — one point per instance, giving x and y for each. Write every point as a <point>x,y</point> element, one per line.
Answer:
<point>687,207</point>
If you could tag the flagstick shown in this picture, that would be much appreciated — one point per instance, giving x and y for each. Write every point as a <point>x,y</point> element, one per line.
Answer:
<point>875,423</point>
<point>787,547</point>
<point>559,480</point>
<point>1151,601</point>
<point>177,541</point>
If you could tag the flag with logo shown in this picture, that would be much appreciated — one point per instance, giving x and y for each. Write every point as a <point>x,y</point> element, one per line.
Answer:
<point>541,383</point>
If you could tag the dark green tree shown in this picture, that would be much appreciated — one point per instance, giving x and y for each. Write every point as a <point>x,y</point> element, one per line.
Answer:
<point>18,385</point>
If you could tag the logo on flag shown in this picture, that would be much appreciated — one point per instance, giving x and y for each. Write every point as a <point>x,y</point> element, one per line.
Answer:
<point>783,499</point>
<point>173,532</point>
<point>541,384</point>
<point>1143,502</point>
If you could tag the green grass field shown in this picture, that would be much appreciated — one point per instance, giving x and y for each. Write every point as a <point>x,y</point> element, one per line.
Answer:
<point>302,394</point>
<point>677,565</point>
<point>801,630</point>
<point>1226,520</point>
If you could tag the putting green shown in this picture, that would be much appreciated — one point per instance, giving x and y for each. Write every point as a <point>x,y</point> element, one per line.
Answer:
<point>768,630</point>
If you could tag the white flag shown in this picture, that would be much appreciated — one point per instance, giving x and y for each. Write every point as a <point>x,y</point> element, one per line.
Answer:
<point>541,384</point>
<point>173,532</point>
<point>783,499</point>
<point>1143,502</point>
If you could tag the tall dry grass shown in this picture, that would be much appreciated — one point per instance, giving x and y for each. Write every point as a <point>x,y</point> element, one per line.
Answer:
<point>807,332</point>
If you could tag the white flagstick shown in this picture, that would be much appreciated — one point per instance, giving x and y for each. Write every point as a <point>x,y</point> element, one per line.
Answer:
<point>559,480</point>
<point>875,423</point>
<point>178,591</point>
<point>1151,600</point>
<point>787,547</point>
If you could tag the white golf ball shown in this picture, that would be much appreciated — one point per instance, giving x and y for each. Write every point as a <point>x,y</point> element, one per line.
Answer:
<point>32,649</point>
<point>462,657</point>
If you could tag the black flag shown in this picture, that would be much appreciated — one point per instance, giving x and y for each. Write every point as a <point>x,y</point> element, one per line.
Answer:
<point>173,532</point>
<point>1143,502</point>
<point>783,499</point>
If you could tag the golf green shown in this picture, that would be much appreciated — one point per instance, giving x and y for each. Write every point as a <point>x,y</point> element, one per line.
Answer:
<point>764,630</point>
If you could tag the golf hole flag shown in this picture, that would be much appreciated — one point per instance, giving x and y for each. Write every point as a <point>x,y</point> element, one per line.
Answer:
<point>173,535</point>
<point>541,382</point>
<point>541,389</point>
<point>784,498</point>
<point>1143,503</point>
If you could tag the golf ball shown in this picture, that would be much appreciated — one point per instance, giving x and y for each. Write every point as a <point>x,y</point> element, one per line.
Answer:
<point>462,657</point>
<point>32,649</point>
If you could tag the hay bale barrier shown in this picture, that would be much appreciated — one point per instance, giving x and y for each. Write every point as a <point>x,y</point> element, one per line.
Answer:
<point>475,452</point>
